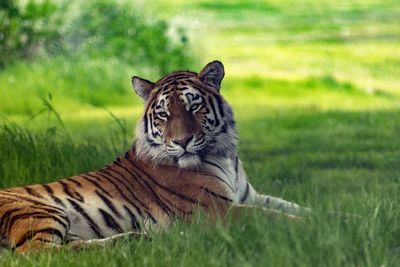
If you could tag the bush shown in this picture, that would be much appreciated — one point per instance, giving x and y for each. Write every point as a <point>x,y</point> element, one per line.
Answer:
<point>27,29</point>
<point>94,28</point>
<point>111,29</point>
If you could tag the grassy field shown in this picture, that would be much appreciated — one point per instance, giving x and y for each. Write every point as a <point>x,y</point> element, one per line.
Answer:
<point>315,89</point>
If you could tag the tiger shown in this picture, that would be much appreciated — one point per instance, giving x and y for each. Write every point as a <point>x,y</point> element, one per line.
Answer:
<point>183,158</point>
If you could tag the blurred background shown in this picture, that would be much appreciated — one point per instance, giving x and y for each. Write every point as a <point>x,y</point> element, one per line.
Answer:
<point>314,86</point>
<point>282,55</point>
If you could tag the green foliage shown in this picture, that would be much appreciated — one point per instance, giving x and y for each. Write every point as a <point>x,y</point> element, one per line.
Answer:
<point>27,29</point>
<point>93,29</point>
<point>110,29</point>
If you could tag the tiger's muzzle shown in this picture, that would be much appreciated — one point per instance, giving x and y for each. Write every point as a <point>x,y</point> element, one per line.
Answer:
<point>183,135</point>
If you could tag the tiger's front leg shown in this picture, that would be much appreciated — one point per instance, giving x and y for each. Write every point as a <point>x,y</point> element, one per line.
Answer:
<point>249,196</point>
<point>238,210</point>
<point>275,203</point>
<point>83,244</point>
<point>39,242</point>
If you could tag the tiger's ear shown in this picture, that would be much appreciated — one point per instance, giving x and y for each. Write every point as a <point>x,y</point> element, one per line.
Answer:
<point>212,74</point>
<point>142,87</point>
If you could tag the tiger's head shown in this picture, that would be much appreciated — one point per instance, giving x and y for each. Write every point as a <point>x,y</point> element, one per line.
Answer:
<point>185,118</point>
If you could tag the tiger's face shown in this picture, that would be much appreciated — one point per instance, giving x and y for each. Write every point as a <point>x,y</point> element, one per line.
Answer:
<point>185,118</point>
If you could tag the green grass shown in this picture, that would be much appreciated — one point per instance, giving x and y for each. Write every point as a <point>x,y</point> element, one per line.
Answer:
<point>314,86</point>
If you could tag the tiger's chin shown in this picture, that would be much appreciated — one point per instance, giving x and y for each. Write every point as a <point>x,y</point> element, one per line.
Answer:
<point>189,161</point>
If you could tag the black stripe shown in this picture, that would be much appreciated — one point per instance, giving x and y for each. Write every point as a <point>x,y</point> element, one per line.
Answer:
<point>220,106</point>
<point>223,171</point>
<point>237,169</point>
<point>5,218</point>
<point>184,83</point>
<point>74,181</point>
<point>48,189</point>
<point>215,194</point>
<point>150,216</point>
<point>184,197</point>
<point>127,187</point>
<point>109,221</point>
<point>164,91</point>
<point>43,240</point>
<point>50,192</point>
<point>150,122</point>
<point>134,222</point>
<point>211,103</point>
<point>152,143</point>
<point>153,126</point>
<point>5,200</point>
<point>34,215</point>
<point>32,192</point>
<point>172,78</point>
<point>95,228</point>
<point>109,204</point>
<point>31,234</point>
<point>123,178</point>
<point>97,185</point>
<point>19,197</point>
<point>74,194</point>
<point>105,173</point>
<point>176,207</point>
<point>69,235</point>
<point>246,193</point>
<point>166,209</point>
<point>49,209</point>
<point>224,128</point>
<point>145,123</point>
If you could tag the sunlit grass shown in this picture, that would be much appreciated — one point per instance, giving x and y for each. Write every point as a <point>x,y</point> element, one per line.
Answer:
<point>266,97</point>
<point>362,65</point>
<point>74,83</point>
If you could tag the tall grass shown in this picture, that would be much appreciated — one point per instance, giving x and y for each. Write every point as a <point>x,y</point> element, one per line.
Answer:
<point>73,83</point>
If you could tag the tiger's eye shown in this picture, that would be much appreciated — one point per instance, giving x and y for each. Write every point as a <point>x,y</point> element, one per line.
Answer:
<point>162,115</point>
<point>194,107</point>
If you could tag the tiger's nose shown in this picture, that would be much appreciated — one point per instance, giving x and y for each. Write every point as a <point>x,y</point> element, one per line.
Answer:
<point>184,141</point>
